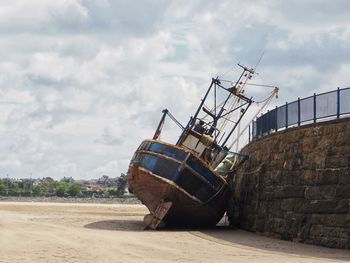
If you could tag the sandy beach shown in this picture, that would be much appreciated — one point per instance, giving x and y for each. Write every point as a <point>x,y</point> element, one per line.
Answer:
<point>61,232</point>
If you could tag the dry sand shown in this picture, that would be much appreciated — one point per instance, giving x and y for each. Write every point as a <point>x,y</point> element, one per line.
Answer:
<point>53,232</point>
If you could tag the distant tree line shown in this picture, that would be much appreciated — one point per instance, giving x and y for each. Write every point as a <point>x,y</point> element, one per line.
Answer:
<point>66,187</point>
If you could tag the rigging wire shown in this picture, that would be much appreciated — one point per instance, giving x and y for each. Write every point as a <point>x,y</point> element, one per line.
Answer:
<point>237,102</point>
<point>261,109</point>
<point>227,72</point>
<point>275,91</point>
<point>240,89</point>
<point>249,84</point>
<point>261,56</point>
<point>238,132</point>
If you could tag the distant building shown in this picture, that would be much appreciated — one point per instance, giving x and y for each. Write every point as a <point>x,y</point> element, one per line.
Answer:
<point>47,180</point>
<point>94,188</point>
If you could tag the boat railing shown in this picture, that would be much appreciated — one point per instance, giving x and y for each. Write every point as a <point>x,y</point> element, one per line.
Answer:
<point>207,126</point>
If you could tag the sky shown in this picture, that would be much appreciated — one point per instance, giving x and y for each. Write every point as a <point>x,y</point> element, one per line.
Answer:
<point>83,82</point>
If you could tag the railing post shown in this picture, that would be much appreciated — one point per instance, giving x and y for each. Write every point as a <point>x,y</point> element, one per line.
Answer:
<point>249,131</point>
<point>255,130</point>
<point>286,115</point>
<point>267,122</point>
<point>338,103</point>
<point>276,119</point>
<point>314,107</point>
<point>298,111</point>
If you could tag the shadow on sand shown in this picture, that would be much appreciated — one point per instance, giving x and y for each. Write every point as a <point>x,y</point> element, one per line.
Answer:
<point>118,225</point>
<point>227,236</point>
<point>137,225</point>
<point>241,238</point>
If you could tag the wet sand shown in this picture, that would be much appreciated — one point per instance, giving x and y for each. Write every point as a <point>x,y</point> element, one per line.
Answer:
<point>60,232</point>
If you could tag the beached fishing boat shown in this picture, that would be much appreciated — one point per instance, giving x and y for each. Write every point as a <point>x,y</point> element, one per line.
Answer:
<point>178,182</point>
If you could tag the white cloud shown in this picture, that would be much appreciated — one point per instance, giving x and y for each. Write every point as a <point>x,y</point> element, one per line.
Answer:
<point>82,82</point>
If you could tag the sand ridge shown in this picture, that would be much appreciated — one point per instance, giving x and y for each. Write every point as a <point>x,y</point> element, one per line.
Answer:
<point>60,232</point>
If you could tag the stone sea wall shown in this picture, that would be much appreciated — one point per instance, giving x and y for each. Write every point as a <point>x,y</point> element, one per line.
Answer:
<point>296,185</point>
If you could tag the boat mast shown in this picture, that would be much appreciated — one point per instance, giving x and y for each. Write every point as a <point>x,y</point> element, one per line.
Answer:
<point>192,120</point>
<point>233,91</point>
<point>247,72</point>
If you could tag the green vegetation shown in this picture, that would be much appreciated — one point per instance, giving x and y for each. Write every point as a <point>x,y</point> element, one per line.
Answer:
<point>226,165</point>
<point>122,183</point>
<point>2,188</point>
<point>67,187</point>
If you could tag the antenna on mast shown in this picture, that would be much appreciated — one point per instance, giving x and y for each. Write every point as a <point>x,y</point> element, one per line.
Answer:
<point>260,58</point>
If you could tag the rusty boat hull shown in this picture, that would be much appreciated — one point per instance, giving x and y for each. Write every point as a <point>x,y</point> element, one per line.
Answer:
<point>177,187</point>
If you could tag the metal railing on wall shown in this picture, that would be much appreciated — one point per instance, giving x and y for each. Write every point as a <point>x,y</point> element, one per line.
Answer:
<point>332,104</point>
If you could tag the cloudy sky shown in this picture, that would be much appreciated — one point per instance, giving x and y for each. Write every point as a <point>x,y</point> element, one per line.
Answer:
<point>82,82</point>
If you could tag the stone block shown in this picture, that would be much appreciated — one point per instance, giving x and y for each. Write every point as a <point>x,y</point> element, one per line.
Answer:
<point>280,213</point>
<point>297,161</point>
<point>276,164</point>
<point>269,188</point>
<point>339,150</point>
<point>247,209</point>
<point>309,144</point>
<point>319,161</point>
<point>308,177</point>
<point>320,177</point>
<point>263,210</point>
<point>317,219</point>
<point>309,161</point>
<point>336,220</point>
<point>344,176</point>
<point>342,207</point>
<point>343,191</point>
<point>260,225</point>
<point>292,204</point>
<point>272,178</point>
<point>317,231</point>
<point>332,242</point>
<point>278,192</point>
<point>292,178</point>
<point>289,192</point>
<point>337,161</point>
<point>295,223</point>
<point>275,206</point>
<point>340,139</point>
<point>327,176</point>
<point>266,196</point>
<point>319,206</point>
<point>320,231</point>
<point>329,220</point>
<point>276,225</point>
<point>320,192</point>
